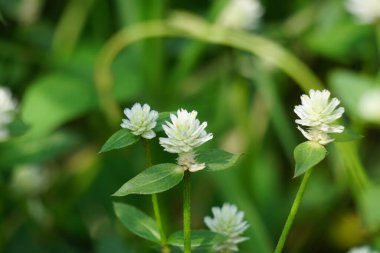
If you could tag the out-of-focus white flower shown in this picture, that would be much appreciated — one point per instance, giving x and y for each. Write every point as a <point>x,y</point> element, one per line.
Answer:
<point>140,120</point>
<point>30,180</point>
<point>229,222</point>
<point>366,11</point>
<point>369,105</point>
<point>318,113</point>
<point>241,14</point>
<point>185,133</point>
<point>7,109</point>
<point>362,249</point>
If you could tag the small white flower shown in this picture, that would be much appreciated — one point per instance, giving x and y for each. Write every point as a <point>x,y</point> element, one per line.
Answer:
<point>318,113</point>
<point>185,133</point>
<point>362,249</point>
<point>229,222</point>
<point>369,105</point>
<point>366,11</point>
<point>7,110</point>
<point>140,120</point>
<point>241,14</point>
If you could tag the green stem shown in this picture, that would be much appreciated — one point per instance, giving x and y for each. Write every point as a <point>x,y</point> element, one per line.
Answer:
<point>293,212</point>
<point>186,212</point>
<point>156,207</point>
<point>377,31</point>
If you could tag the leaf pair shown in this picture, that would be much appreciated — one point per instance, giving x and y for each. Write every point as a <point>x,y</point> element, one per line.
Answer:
<point>144,226</point>
<point>162,177</point>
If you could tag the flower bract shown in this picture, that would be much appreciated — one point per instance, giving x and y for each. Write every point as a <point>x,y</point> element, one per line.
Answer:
<point>318,113</point>
<point>230,222</point>
<point>140,120</point>
<point>184,134</point>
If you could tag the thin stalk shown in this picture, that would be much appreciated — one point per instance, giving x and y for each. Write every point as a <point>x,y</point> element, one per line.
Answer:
<point>186,212</point>
<point>156,207</point>
<point>293,212</point>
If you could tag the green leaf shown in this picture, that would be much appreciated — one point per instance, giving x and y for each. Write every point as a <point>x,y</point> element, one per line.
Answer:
<point>347,135</point>
<point>216,159</point>
<point>137,222</point>
<point>37,150</point>
<point>122,138</point>
<point>199,238</point>
<point>369,205</point>
<point>17,127</point>
<point>162,117</point>
<point>157,178</point>
<point>307,155</point>
<point>54,99</point>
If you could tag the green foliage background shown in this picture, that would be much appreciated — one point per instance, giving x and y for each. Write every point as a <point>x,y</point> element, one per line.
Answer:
<point>49,61</point>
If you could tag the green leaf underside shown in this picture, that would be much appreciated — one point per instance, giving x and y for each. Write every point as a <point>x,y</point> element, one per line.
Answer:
<point>137,222</point>
<point>307,155</point>
<point>162,117</point>
<point>216,159</point>
<point>155,179</point>
<point>347,135</point>
<point>199,238</point>
<point>122,138</point>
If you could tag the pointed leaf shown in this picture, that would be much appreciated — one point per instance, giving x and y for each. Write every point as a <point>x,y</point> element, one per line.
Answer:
<point>216,159</point>
<point>137,222</point>
<point>157,178</point>
<point>199,238</point>
<point>307,155</point>
<point>122,138</point>
<point>162,117</point>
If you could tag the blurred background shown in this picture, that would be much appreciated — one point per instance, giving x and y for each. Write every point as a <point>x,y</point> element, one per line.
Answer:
<point>54,186</point>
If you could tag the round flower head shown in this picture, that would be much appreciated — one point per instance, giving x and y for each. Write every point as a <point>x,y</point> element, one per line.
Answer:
<point>229,222</point>
<point>318,113</point>
<point>185,133</point>
<point>140,120</point>
<point>362,249</point>
<point>366,11</point>
<point>7,110</point>
<point>241,14</point>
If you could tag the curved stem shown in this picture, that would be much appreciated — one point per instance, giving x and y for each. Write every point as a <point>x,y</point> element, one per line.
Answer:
<point>186,212</point>
<point>156,207</point>
<point>293,212</point>
<point>190,26</point>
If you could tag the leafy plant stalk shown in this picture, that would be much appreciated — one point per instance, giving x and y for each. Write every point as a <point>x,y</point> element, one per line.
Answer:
<point>186,212</point>
<point>293,212</point>
<point>156,207</point>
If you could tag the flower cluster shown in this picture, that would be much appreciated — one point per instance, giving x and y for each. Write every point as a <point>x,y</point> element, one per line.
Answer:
<point>366,11</point>
<point>230,222</point>
<point>7,110</point>
<point>185,133</point>
<point>140,120</point>
<point>362,249</point>
<point>241,14</point>
<point>318,113</point>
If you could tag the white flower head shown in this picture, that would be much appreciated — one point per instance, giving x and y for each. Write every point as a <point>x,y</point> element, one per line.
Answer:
<point>7,110</point>
<point>366,11</point>
<point>369,105</point>
<point>318,114</point>
<point>140,120</point>
<point>185,133</point>
<point>241,14</point>
<point>362,249</point>
<point>230,222</point>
